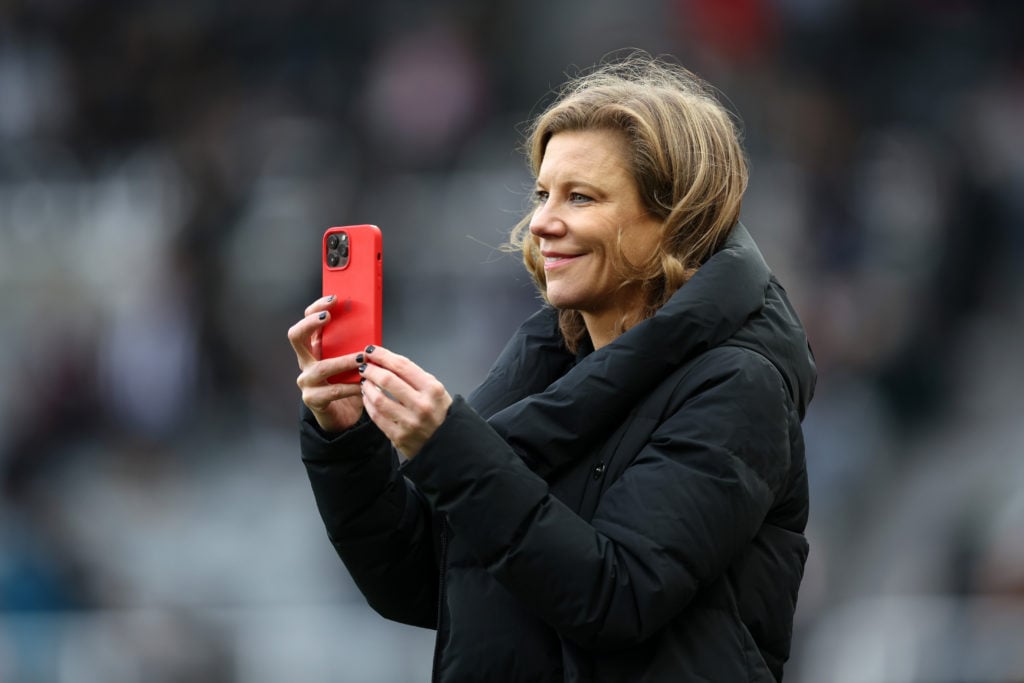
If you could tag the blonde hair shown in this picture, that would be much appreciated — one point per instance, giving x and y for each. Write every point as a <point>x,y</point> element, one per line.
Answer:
<point>686,159</point>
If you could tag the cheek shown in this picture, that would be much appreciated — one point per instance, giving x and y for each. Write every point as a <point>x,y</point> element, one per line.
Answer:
<point>644,243</point>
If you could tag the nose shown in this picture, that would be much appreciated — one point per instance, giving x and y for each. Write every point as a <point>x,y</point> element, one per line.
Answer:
<point>546,222</point>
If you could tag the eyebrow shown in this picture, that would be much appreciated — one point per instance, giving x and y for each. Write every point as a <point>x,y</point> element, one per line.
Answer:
<point>583,184</point>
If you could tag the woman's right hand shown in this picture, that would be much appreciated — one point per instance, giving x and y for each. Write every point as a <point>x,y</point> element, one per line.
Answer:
<point>336,407</point>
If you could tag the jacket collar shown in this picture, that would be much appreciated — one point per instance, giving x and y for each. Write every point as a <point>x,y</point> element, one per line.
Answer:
<point>544,425</point>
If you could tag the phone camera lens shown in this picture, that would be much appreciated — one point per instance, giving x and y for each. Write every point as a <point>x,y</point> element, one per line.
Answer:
<point>344,251</point>
<point>332,259</point>
<point>332,241</point>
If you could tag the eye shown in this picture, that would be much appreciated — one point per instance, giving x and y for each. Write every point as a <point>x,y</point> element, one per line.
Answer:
<point>540,196</point>
<point>577,198</point>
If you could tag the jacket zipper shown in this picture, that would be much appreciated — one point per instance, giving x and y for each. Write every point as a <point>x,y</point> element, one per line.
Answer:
<point>442,570</point>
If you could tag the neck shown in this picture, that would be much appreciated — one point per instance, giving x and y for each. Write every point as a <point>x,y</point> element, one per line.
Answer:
<point>602,328</point>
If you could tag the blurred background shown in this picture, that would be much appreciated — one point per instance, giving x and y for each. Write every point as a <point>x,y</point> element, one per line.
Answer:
<point>167,169</point>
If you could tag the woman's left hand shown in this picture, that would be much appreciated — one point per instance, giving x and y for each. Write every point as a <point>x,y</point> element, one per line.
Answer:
<point>407,403</point>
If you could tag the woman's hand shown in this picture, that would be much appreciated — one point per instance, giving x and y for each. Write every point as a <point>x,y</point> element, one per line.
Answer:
<point>405,402</point>
<point>336,407</point>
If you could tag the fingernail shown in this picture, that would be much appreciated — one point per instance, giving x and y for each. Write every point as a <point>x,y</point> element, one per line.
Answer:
<point>362,380</point>
<point>362,368</point>
<point>323,315</point>
<point>330,298</point>
<point>370,348</point>
<point>359,358</point>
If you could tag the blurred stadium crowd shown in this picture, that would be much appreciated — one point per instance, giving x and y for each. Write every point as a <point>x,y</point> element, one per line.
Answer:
<point>166,170</point>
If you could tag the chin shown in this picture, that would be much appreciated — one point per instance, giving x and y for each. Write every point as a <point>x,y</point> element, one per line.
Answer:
<point>560,300</point>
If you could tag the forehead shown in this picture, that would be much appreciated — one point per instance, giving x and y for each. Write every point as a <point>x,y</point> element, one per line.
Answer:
<point>594,153</point>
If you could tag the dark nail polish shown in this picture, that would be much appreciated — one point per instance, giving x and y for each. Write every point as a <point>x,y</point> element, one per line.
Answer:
<point>370,348</point>
<point>362,380</point>
<point>362,368</point>
<point>330,298</point>
<point>359,358</point>
<point>323,315</point>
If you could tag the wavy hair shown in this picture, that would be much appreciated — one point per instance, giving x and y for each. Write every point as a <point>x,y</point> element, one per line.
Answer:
<point>686,159</point>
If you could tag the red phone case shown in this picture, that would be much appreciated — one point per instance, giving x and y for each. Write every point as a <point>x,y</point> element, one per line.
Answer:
<point>357,283</point>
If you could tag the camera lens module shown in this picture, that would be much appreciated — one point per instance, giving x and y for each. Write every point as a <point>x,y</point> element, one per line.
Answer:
<point>333,241</point>
<point>333,259</point>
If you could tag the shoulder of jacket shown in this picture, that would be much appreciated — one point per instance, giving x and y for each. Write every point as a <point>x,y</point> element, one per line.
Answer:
<point>745,367</point>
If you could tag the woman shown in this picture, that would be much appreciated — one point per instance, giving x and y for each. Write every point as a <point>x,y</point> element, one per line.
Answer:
<point>624,497</point>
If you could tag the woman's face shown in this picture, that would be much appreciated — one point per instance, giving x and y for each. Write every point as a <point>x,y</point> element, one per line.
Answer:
<point>586,195</point>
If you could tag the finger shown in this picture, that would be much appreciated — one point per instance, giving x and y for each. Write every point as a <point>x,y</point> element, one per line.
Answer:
<point>317,372</point>
<point>385,412</point>
<point>394,387</point>
<point>406,429</point>
<point>321,304</point>
<point>401,402</point>
<point>301,337</point>
<point>378,404</point>
<point>408,383</point>
<point>316,343</point>
<point>318,398</point>
<point>410,373</point>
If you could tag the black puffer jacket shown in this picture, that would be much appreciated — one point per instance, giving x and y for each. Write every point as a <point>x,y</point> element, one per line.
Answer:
<point>636,514</point>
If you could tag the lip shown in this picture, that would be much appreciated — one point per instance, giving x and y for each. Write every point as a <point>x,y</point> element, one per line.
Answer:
<point>556,259</point>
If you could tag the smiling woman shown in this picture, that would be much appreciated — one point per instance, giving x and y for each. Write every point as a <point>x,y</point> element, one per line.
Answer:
<point>624,497</point>
<point>587,202</point>
<point>681,152</point>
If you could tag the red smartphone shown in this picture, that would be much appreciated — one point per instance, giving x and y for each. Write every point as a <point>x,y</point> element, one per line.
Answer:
<point>352,272</point>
